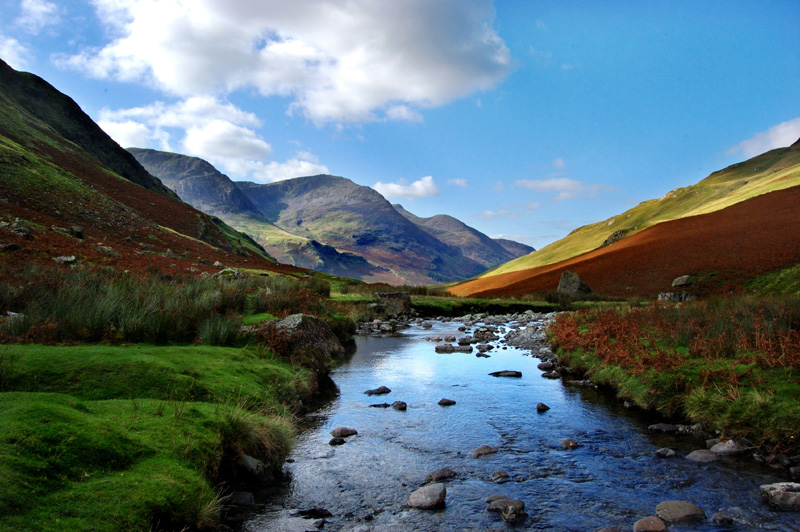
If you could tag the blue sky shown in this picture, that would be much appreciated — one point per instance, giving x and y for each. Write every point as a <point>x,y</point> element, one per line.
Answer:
<point>524,119</point>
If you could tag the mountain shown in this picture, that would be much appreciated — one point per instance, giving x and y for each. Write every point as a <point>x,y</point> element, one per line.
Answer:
<point>723,244</point>
<point>330,224</point>
<point>473,244</point>
<point>82,195</point>
<point>515,248</point>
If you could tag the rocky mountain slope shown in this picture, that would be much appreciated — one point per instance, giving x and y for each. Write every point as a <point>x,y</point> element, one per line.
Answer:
<point>331,224</point>
<point>78,194</point>
<point>723,245</point>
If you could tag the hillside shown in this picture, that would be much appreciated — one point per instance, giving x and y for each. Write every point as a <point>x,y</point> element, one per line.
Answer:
<point>775,170</point>
<point>81,195</point>
<point>722,250</point>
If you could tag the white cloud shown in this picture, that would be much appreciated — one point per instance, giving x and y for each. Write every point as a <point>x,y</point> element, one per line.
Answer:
<point>458,182</point>
<point>35,15</point>
<point>13,52</point>
<point>205,127</point>
<point>559,164</point>
<point>779,136</point>
<point>362,60</point>
<point>499,213</point>
<point>564,188</point>
<point>421,188</point>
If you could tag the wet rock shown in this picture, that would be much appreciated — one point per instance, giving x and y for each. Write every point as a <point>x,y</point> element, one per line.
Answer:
<point>500,477</point>
<point>241,498</point>
<point>483,450</point>
<point>440,474</point>
<point>449,338</point>
<point>400,406</point>
<point>380,390</point>
<point>446,402</point>
<point>444,348</point>
<point>722,518</point>
<point>569,443</point>
<point>463,349</point>
<point>551,375</point>
<point>663,428</point>
<point>583,383</point>
<point>251,467</point>
<point>343,432</point>
<point>337,441</point>
<point>546,366</point>
<point>395,303</point>
<point>782,496</point>
<point>541,407</point>
<point>702,456</point>
<point>426,325</point>
<point>729,448</point>
<point>649,524</point>
<point>484,347</point>
<point>506,373</point>
<point>511,510</point>
<point>465,340</point>
<point>482,355</point>
<point>679,512</point>
<point>665,452</point>
<point>380,405</point>
<point>428,497</point>
<point>314,513</point>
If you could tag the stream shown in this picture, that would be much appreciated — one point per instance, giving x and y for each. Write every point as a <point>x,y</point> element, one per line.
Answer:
<point>612,479</point>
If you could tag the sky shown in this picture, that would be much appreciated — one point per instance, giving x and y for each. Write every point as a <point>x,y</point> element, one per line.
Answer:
<point>524,119</point>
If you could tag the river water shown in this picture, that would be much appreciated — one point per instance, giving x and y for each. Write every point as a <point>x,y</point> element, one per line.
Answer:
<point>612,479</point>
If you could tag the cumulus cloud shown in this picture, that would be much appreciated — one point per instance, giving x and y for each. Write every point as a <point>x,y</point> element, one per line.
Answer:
<point>457,182</point>
<point>205,127</point>
<point>421,188</point>
<point>35,15</point>
<point>778,136</point>
<point>564,188</point>
<point>13,52</point>
<point>363,60</point>
<point>512,212</point>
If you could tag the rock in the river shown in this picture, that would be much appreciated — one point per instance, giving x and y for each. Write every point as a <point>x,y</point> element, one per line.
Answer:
<point>446,402</point>
<point>343,432</point>
<point>380,405</point>
<point>499,477</point>
<point>729,448</point>
<point>240,498</point>
<point>512,510</point>
<point>665,452</point>
<point>252,468</point>
<point>428,497</point>
<point>679,512</point>
<point>444,348</point>
<point>506,373</point>
<point>337,441</point>
<point>664,428</point>
<point>782,496</point>
<point>483,450</point>
<point>702,456</point>
<point>722,518</point>
<point>400,406</point>
<point>381,390</point>
<point>440,474</point>
<point>541,407</point>
<point>551,375</point>
<point>649,524</point>
<point>546,366</point>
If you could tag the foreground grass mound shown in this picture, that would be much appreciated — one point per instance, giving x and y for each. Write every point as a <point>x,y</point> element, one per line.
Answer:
<point>111,438</point>
<point>731,364</point>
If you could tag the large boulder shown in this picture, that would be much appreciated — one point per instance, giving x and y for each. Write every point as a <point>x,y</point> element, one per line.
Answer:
<point>571,284</point>
<point>303,340</point>
<point>782,496</point>
<point>395,303</point>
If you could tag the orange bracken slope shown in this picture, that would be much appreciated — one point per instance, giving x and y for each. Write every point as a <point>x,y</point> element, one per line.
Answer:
<point>732,245</point>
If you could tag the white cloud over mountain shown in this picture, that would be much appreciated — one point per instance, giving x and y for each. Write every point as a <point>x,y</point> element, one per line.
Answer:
<point>422,188</point>
<point>359,61</point>
<point>778,136</point>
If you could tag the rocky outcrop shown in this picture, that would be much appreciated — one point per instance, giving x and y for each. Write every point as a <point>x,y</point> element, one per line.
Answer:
<point>782,496</point>
<point>572,285</point>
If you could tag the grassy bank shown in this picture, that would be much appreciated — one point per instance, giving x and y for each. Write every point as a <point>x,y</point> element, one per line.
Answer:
<point>731,364</point>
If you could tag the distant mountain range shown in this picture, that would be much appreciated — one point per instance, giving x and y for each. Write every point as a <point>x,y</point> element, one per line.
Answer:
<point>331,224</point>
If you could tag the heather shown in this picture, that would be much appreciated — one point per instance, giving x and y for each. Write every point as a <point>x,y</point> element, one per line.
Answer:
<point>732,364</point>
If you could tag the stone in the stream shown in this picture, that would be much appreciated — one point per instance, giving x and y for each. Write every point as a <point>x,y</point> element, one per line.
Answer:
<point>541,407</point>
<point>482,355</point>
<point>483,450</point>
<point>782,496</point>
<point>446,402</point>
<point>428,497</point>
<point>343,432</point>
<point>500,477</point>
<point>440,474</point>
<point>506,373</point>
<point>546,366</point>
<point>399,406</point>
<point>702,456</point>
<point>380,390</point>
<point>664,428</point>
<point>551,375</point>
<point>679,512</point>
<point>313,513</point>
<point>569,443</point>
<point>511,510</point>
<point>649,524</point>
<point>240,498</point>
<point>444,348</point>
<point>380,405</point>
<point>729,448</point>
<point>722,518</point>
<point>665,452</point>
<point>337,441</point>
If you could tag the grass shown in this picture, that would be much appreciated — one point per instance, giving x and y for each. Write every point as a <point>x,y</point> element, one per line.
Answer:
<point>134,438</point>
<point>732,364</point>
